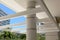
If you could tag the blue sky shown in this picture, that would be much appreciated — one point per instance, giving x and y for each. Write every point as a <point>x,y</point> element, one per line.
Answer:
<point>15,20</point>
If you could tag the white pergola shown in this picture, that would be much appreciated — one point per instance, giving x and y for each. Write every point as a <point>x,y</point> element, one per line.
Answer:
<point>21,10</point>
<point>46,12</point>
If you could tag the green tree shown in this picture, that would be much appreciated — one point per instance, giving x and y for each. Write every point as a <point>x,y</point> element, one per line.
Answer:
<point>23,36</point>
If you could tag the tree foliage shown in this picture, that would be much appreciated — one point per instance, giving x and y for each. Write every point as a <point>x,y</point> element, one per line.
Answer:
<point>17,36</point>
<point>10,35</point>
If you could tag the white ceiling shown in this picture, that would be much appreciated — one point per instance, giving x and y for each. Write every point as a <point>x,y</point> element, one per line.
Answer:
<point>54,6</point>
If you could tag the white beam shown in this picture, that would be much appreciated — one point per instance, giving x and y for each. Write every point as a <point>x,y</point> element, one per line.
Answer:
<point>27,12</point>
<point>12,25</point>
<point>45,26</point>
<point>12,5</point>
<point>45,21</point>
<point>38,30</point>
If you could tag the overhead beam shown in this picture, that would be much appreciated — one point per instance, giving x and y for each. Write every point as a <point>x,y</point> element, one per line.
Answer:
<point>12,25</point>
<point>46,21</point>
<point>12,4</point>
<point>46,24</point>
<point>38,30</point>
<point>27,12</point>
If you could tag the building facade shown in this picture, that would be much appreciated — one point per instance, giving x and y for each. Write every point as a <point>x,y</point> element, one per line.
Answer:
<point>5,22</point>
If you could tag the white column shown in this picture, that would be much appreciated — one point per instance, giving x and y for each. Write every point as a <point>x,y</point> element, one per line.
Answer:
<point>52,36</point>
<point>31,22</point>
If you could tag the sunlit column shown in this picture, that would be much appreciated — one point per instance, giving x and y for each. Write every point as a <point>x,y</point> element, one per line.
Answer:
<point>31,22</point>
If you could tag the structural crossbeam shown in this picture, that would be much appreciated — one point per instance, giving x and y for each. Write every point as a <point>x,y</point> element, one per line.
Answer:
<point>27,12</point>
